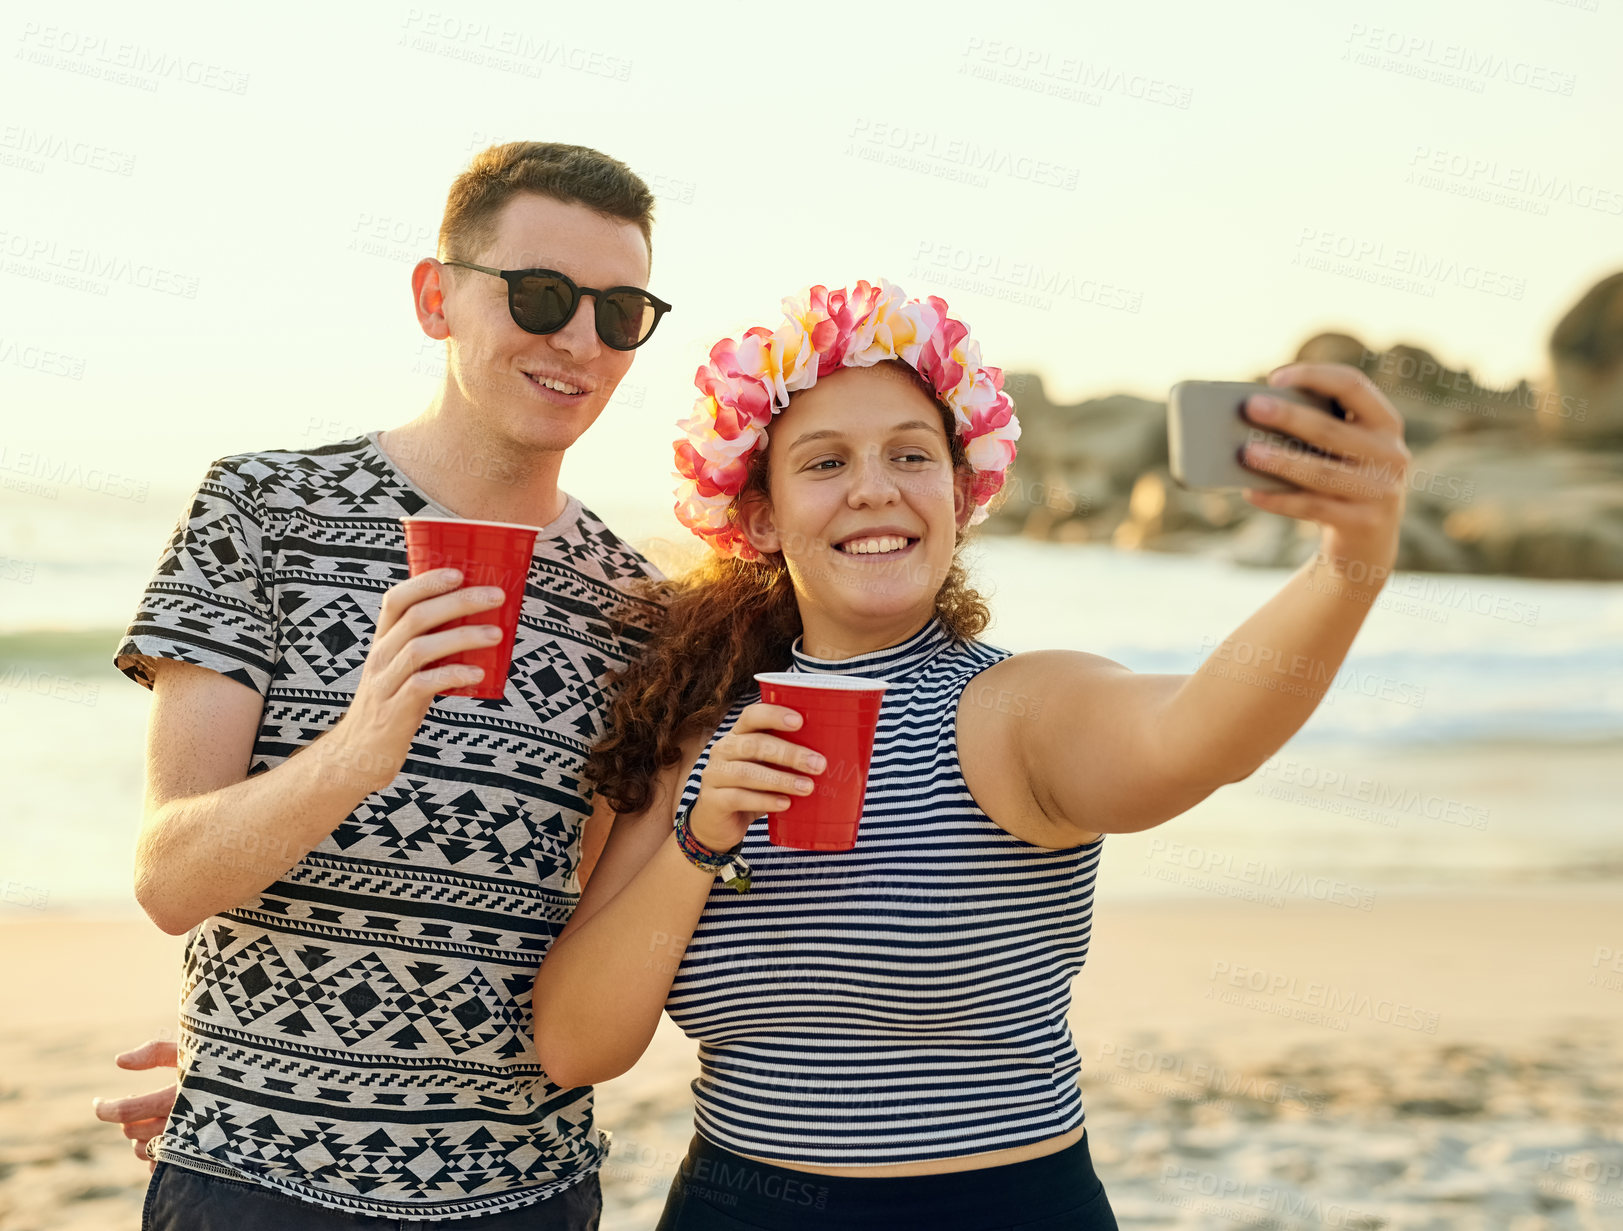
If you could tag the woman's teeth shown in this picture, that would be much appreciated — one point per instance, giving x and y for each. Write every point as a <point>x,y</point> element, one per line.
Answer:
<point>869,547</point>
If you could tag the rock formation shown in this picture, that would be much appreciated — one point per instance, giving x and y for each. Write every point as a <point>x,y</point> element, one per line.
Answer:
<point>1524,480</point>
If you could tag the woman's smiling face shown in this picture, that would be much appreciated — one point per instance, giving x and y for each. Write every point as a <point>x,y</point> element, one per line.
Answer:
<point>865,503</point>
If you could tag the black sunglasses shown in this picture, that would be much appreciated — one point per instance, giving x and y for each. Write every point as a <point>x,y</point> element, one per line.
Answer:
<point>544,301</point>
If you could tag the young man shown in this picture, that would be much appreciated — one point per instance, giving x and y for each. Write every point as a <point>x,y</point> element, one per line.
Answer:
<point>371,872</point>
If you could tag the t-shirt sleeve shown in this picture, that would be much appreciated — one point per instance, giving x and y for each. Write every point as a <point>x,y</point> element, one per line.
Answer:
<point>209,601</point>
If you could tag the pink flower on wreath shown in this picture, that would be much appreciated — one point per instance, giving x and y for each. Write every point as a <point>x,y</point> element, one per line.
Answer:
<point>748,381</point>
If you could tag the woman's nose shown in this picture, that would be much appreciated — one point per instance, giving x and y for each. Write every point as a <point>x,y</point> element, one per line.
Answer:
<point>871,481</point>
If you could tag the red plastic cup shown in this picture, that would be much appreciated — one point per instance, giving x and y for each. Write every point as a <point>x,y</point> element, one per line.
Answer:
<point>488,553</point>
<point>840,714</point>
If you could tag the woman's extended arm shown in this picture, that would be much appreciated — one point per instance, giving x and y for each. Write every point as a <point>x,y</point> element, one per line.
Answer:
<point>603,983</point>
<point>1106,750</point>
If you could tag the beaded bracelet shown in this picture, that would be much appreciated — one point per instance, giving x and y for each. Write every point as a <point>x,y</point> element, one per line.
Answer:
<point>702,856</point>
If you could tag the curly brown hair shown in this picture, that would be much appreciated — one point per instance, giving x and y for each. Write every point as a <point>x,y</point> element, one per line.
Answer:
<point>725,620</point>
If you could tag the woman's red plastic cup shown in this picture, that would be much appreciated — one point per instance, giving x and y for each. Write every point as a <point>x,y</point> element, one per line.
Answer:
<point>840,714</point>
<point>487,553</point>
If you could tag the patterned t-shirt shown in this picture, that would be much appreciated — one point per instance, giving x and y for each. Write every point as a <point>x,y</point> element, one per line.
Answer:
<point>358,1035</point>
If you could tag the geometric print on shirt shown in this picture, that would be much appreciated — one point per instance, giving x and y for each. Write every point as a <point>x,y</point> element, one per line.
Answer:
<point>358,1034</point>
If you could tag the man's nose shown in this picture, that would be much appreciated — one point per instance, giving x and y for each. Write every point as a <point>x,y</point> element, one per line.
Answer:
<point>578,338</point>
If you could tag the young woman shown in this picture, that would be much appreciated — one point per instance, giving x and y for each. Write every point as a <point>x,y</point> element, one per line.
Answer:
<point>882,1031</point>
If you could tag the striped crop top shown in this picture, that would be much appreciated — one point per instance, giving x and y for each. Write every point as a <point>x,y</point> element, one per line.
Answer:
<point>905,1000</point>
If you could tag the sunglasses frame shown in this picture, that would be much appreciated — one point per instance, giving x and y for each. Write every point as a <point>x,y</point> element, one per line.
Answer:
<point>514,279</point>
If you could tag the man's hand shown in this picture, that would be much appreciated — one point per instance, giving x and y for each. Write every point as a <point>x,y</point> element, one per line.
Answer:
<point>142,1115</point>
<point>370,742</point>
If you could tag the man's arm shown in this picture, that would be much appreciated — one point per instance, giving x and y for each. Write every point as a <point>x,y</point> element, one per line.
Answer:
<point>211,837</point>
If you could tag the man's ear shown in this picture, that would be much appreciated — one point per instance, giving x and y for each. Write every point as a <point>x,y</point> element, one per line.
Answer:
<point>428,294</point>
<point>963,502</point>
<point>755,520</point>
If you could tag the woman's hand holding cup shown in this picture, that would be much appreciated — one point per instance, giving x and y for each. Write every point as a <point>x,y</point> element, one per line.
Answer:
<point>751,772</point>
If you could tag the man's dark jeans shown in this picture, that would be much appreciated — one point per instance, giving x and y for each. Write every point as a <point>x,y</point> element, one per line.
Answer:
<point>182,1200</point>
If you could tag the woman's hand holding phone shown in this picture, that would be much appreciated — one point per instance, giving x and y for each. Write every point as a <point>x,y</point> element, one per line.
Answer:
<point>1328,447</point>
<point>1353,480</point>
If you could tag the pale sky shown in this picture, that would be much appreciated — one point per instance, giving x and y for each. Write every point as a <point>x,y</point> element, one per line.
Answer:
<point>1155,191</point>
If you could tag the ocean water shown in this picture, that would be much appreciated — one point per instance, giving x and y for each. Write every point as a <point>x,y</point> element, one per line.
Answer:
<point>1474,738</point>
<point>1440,659</point>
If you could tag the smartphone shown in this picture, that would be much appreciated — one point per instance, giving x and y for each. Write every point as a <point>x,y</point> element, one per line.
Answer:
<point>1206,429</point>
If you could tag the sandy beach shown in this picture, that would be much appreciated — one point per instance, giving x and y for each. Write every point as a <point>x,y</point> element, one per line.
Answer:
<point>1429,1062</point>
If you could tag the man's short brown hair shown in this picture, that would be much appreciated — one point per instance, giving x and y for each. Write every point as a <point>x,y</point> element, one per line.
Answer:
<point>572,174</point>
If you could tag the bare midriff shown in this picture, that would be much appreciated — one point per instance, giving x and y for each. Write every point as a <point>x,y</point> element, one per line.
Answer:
<point>939,1166</point>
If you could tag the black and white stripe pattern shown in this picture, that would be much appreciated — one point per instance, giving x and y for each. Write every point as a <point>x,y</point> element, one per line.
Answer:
<point>905,1000</point>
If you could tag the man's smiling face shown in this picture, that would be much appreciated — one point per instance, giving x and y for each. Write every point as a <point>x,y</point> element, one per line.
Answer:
<point>539,392</point>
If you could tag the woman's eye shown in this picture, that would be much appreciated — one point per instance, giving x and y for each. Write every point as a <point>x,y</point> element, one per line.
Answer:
<point>828,462</point>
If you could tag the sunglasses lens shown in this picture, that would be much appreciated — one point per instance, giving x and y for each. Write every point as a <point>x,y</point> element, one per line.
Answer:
<point>542,303</point>
<point>625,318</point>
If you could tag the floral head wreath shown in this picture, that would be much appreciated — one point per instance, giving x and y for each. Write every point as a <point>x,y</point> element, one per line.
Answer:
<point>749,380</point>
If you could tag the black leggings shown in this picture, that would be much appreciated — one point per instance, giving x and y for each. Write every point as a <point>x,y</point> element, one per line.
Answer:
<point>717,1190</point>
